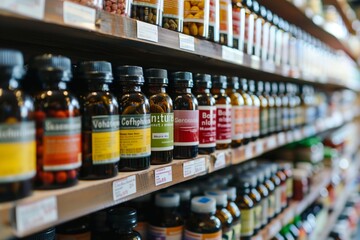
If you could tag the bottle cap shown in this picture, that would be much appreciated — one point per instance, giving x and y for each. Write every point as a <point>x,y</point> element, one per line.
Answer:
<point>219,81</point>
<point>275,19</point>
<point>233,82</point>
<point>251,86</point>
<point>156,75</point>
<point>274,88</point>
<point>274,168</point>
<point>248,3</point>
<point>230,192</point>
<point>12,61</point>
<point>122,216</point>
<point>50,67</point>
<point>48,234</point>
<point>203,80</point>
<point>99,221</point>
<point>184,79</point>
<point>269,16</point>
<point>260,87</point>
<point>167,200</point>
<point>96,70</point>
<point>184,193</point>
<point>203,205</point>
<point>127,74</point>
<point>267,87</point>
<point>256,7</point>
<point>219,196</point>
<point>244,84</point>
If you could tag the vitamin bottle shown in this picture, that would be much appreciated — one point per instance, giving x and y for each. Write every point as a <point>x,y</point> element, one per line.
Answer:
<point>238,20</point>
<point>283,187</point>
<point>255,111</point>
<point>207,114</point>
<point>135,123</point>
<point>234,210</point>
<point>277,183</point>
<point>273,20</point>
<point>186,117</point>
<point>162,116</point>
<point>203,224</point>
<point>248,107</point>
<point>214,21</point>
<point>278,107</point>
<point>166,220</point>
<point>271,188</point>
<point>285,116</point>
<point>249,27</point>
<point>271,108</point>
<point>264,193</point>
<point>58,124</point>
<point>122,221</point>
<point>17,130</point>
<point>77,229</point>
<point>237,112</point>
<point>226,30</point>
<point>100,123</point>
<point>223,112</point>
<point>196,18</point>
<point>185,195</point>
<point>264,109</point>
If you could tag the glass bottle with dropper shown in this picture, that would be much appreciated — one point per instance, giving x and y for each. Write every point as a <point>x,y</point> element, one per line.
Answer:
<point>255,111</point>
<point>264,109</point>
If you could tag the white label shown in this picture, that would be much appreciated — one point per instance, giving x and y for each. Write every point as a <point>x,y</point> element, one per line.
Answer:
<point>248,151</point>
<point>259,147</point>
<point>271,142</point>
<point>275,228</point>
<point>232,55</point>
<point>124,187</point>
<point>200,165</point>
<point>255,62</point>
<point>189,169</point>
<point>163,175</point>
<point>289,136</point>
<point>147,31</point>
<point>32,215</point>
<point>281,138</point>
<point>79,15</point>
<point>186,42</point>
<point>220,161</point>
<point>29,8</point>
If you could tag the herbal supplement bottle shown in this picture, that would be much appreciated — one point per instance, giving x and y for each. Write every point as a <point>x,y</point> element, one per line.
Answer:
<point>264,109</point>
<point>207,113</point>
<point>283,186</point>
<point>237,111</point>
<point>203,224</point>
<point>17,130</point>
<point>162,116</point>
<point>100,122</point>
<point>285,116</point>
<point>255,111</point>
<point>166,221</point>
<point>99,225</point>
<point>223,112</point>
<point>271,108</point>
<point>234,210</point>
<point>264,193</point>
<point>249,27</point>
<point>222,213</point>
<point>271,188</point>
<point>135,123</point>
<point>287,169</point>
<point>238,20</point>
<point>186,115</point>
<point>248,108</point>
<point>278,107</point>
<point>226,31</point>
<point>58,124</point>
<point>122,222</point>
<point>291,105</point>
<point>77,229</point>
<point>258,23</point>
<point>277,182</point>
<point>185,195</point>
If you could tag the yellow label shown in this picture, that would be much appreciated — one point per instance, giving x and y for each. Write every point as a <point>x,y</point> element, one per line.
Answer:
<point>247,222</point>
<point>227,235</point>
<point>106,147</point>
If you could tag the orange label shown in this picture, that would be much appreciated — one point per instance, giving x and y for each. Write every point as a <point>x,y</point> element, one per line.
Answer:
<point>256,120</point>
<point>173,8</point>
<point>141,227</point>
<point>170,233</point>
<point>224,16</point>
<point>237,123</point>
<point>248,116</point>
<point>202,236</point>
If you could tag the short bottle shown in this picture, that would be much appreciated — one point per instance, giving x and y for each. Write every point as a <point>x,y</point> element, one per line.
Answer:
<point>122,221</point>
<point>75,229</point>
<point>264,109</point>
<point>185,201</point>
<point>255,111</point>
<point>287,169</point>
<point>248,108</point>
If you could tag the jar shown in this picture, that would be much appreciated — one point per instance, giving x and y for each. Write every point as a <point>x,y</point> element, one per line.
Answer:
<point>233,209</point>
<point>100,122</point>
<point>214,21</point>
<point>162,116</point>
<point>118,7</point>
<point>185,195</point>
<point>264,109</point>
<point>98,4</point>
<point>301,184</point>
<point>264,193</point>
<point>146,11</point>
<point>58,124</point>
<point>271,108</point>
<point>226,31</point>
<point>173,15</point>
<point>207,114</point>
<point>196,18</point>
<point>99,225</point>
<point>255,111</point>
<point>134,119</point>
<point>166,220</point>
<point>77,229</point>
<point>238,21</point>
<point>249,27</point>
<point>271,188</point>
<point>17,130</point>
<point>48,234</point>
<point>186,113</point>
<point>278,107</point>
<point>122,222</point>
<point>248,108</point>
<point>203,224</point>
<point>223,112</point>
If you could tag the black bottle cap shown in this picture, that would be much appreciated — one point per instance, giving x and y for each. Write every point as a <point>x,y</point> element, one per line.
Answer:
<point>244,84</point>
<point>48,234</point>
<point>122,216</point>
<point>233,82</point>
<point>132,74</point>
<point>12,62</point>
<point>99,221</point>
<point>260,87</point>
<point>251,86</point>
<point>203,80</point>
<point>219,81</point>
<point>51,67</point>
<point>183,79</point>
<point>96,70</point>
<point>156,75</point>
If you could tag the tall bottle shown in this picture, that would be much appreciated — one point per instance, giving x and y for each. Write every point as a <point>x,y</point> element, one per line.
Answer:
<point>291,105</point>
<point>271,188</point>
<point>255,111</point>
<point>264,109</point>
<point>285,116</point>
<point>278,191</point>
<point>271,108</point>
<point>135,125</point>
<point>264,192</point>
<point>278,107</point>
<point>234,210</point>
<point>248,108</point>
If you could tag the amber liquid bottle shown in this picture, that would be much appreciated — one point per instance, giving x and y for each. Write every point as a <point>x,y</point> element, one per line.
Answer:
<point>285,116</point>
<point>248,108</point>
<point>255,111</point>
<point>271,188</point>
<point>271,108</point>
<point>278,107</point>
<point>264,109</point>
<point>234,210</point>
<point>291,105</point>
<point>264,192</point>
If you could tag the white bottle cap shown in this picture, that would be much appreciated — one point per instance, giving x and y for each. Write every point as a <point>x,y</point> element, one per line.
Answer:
<point>219,196</point>
<point>230,192</point>
<point>203,205</point>
<point>167,200</point>
<point>184,193</point>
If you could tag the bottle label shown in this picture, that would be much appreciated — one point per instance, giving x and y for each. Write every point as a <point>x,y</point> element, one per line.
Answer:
<point>237,230</point>
<point>223,123</point>
<point>283,195</point>
<point>207,127</point>
<point>248,121</point>
<point>258,217</point>
<point>272,119</point>
<point>271,208</point>
<point>105,139</point>
<point>224,16</point>
<point>247,222</point>
<point>285,117</point>
<point>62,144</point>
<point>141,227</point>
<point>170,233</point>
<point>227,235</point>
<point>186,127</point>
<point>135,136</point>
<point>264,120</point>
<point>188,235</point>
<point>18,152</point>
<point>79,236</point>
<point>264,211</point>
<point>162,131</point>
<point>278,200</point>
<point>256,121</point>
<point>237,126</point>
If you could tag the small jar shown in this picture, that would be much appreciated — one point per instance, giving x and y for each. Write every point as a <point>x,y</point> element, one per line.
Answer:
<point>255,111</point>
<point>146,11</point>
<point>264,109</point>
<point>162,116</point>
<point>196,18</point>
<point>135,125</point>
<point>248,108</point>
<point>48,234</point>
<point>122,222</point>
<point>118,7</point>
<point>17,130</point>
<point>173,15</point>
<point>98,4</point>
<point>233,209</point>
<point>185,195</point>
<point>226,31</point>
<point>77,229</point>
<point>58,124</point>
<point>100,123</point>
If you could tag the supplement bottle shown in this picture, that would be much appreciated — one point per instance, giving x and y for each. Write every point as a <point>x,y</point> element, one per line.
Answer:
<point>162,116</point>
<point>271,108</point>
<point>186,117</point>
<point>287,169</point>
<point>264,109</point>
<point>99,225</point>
<point>135,123</point>
<point>249,27</point>
<point>207,114</point>
<point>185,195</point>
<point>283,186</point>
<point>226,31</point>
<point>255,111</point>
<point>141,204</point>
<point>264,192</point>
<point>271,188</point>
<point>77,229</point>
<point>300,113</point>
<point>18,150</point>
<point>278,107</point>
<point>258,23</point>
<point>285,116</point>
<point>277,183</point>
<point>100,122</point>
<point>238,20</point>
<point>122,221</point>
<point>234,210</point>
<point>203,224</point>
<point>58,124</point>
<point>196,18</point>
<point>248,108</point>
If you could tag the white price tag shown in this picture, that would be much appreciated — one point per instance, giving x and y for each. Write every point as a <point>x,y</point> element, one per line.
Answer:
<point>189,169</point>
<point>79,15</point>
<point>163,175</point>
<point>200,165</point>
<point>124,187</point>
<point>259,147</point>
<point>35,214</point>
<point>232,55</point>
<point>289,136</point>
<point>248,151</point>
<point>29,8</point>
<point>147,31</point>
<point>220,161</point>
<point>186,42</point>
<point>255,62</point>
<point>281,138</point>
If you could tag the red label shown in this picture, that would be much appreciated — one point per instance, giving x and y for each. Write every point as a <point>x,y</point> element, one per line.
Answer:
<point>223,123</point>
<point>207,126</point>
<point>237,126</point>
<point>236,21</point>
<point>248,118</point>
<point>256,121</point>
<point>186,127</point>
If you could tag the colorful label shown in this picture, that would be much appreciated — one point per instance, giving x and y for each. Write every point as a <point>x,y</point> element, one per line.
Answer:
<point>173,8</point>
<point>188,235</point>
<point>258,217</point>
<point>170,233</point>
<point>248,121</point>
<point>141,227</point>
<point>237,126</point>
<point>162,131</point>
<point>62,144</point>
<point>227,235</point>
<point>256,121</point>
<point>272,205</point>
<point>277,200</point>
<point>135,136</point>
<point>223,123</point>
<point>186,128</point>
<point>207,126</point>
<point>79,236</point>
<point>237,230</point>
<point>289,188</point>
<point>247,222</point>
<point>283,195</point>
<point>224,16</point>
<point>264,120</point>
<point>264,211</point>
<point>196,11</point>
<point>18,152</point>
<point>105,139</point>
<point>212,17</point>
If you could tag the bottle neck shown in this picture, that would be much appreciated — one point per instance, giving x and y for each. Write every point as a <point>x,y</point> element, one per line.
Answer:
<point>98,86</point>
<point>182,89</point>
<point>154,89</point>
<point>55,85</point>
<point>202,90</point>
<point>7,82</point>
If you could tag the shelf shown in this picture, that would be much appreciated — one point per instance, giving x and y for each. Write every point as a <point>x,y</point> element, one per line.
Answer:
<point>90,34</point>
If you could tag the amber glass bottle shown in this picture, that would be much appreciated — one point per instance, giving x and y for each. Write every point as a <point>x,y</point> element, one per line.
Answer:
<point>264,192</point>
<point>162,116</point>
<point>277,182</point>
<point>291,105</point>
<point>271,188</point>
<point>122,222</point>
<point>264,109</point>
<point>278,107</point>
<point>271,108</point>
<point>234,210</point>
<point>255,111</point>
<point>287,169</point>
<point>282,176</point>
<point>185,195</point>
<point>285,116</point>
<point>248,108</point>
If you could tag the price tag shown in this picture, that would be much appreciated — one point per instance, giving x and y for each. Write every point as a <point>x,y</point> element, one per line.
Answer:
<point>124,187</point>
<point>232,55</point>
<point>189,169</point>
<point>35,214</point>
<point>275,228</point>
<point>289,136</point>
<point>255,62</point>
<point>200,165</point>
<point>271,142</point>
<point>163,175</point>
<point>281,138</point>
<point>220,161</point>
<point>79,15</point>
<point>248,151</point>
<point>186,42</point>
<point>269,66</point>
<point>259,147</point>
<point>147,31</point>
<point>29,8</point>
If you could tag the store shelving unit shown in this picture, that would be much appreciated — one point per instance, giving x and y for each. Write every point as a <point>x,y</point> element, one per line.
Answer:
<point>340,7</point>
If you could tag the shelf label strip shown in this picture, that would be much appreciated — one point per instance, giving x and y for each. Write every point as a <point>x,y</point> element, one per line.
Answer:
<point>186,42</point>
<point>78,15</point>
<point>232,55</point>
<point>193,167</point>
<point>147,31</point>
<point>163,175</point>
<point>33,8</point>
<point>220,160</point>
<point>124,187</point>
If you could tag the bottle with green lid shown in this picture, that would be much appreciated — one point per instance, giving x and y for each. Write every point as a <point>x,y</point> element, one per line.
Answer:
<point>122,221</point>
<point>264,109</point>
<point>264,192</point>
<point>271,188</point>
<point>185,195</point>
<point>255,111</point>
<point>248,107</point>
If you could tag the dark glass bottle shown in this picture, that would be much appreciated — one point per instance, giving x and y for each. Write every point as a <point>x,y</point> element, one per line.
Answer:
<point>291,105</point>
<point>18,154</point>
<point>141,204</point>
<point>162,116</point>
<point>285,116</point>
<point>287,169</point>
<point>255,111</point>
<point>271,188</point>
<point>48,234</point>
<point>248,108</point>
<point>77,229</point>
<point>264,192</point>
<point>100,122</point>
<point>122,222</point>
<point>271,108</point>
<point>264,109</point>
<point>278,107</point>
<point>135,126</point>
<point>234,210</point>
<point>185,195</point>
<point>99,225</point>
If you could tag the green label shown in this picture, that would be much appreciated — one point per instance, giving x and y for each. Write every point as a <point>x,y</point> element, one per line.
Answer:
<point>162,131</point>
